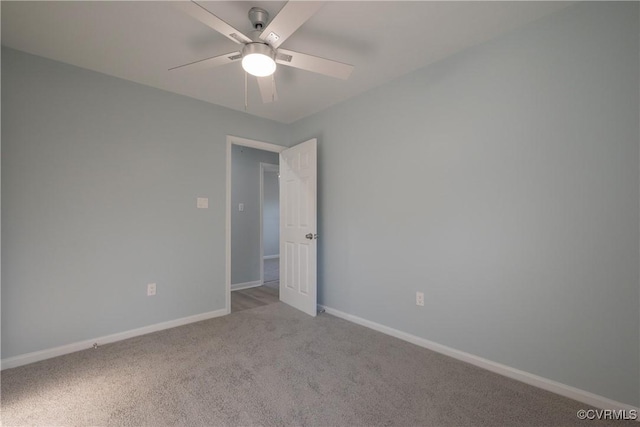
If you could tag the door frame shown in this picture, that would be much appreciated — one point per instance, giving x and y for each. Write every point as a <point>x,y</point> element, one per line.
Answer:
<point>265,167</point>
<point>251,143</point>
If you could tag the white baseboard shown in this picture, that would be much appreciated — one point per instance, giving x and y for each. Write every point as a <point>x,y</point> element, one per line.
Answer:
<point>36,356</point>
<point>245,285</point>
<point>525,377</point>
<point>271,256</point>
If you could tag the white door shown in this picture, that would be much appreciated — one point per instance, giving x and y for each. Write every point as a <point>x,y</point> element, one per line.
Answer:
<point>298,238</point>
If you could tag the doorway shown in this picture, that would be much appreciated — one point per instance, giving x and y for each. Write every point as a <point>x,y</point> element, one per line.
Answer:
<point>270,225</point>
<point>298,223</point>
<point>252,224</point>
<point>267,290</point>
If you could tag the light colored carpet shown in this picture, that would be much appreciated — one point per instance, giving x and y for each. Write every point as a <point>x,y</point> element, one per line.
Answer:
<point>271,366</point>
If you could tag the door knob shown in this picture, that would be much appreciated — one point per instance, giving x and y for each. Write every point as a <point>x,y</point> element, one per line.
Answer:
<point>309,236</point>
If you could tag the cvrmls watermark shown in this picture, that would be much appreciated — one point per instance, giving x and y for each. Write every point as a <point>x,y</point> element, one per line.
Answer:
<point>607,414</point>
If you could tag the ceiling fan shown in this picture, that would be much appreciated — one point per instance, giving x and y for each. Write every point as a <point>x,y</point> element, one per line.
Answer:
<point>261,52</point>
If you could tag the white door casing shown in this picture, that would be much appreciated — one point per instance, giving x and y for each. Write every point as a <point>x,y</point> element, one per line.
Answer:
<point>298,226</point>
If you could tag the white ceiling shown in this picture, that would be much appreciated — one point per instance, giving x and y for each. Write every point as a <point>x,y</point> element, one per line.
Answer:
<point>140,41</point>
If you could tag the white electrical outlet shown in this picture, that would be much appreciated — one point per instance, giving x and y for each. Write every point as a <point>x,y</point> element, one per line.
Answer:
<point>151,289</point>
<point>420,299</point>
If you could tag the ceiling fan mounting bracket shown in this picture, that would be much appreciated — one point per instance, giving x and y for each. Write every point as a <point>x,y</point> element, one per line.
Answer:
<point>258,17</point>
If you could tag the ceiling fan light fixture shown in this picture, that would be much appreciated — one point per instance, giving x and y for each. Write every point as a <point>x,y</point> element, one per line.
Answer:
<point>258,59</point>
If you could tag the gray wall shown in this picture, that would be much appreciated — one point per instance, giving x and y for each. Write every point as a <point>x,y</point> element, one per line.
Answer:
<point>245,225</point>
<point>271,214</point>
<point>503,183</point>
<point>99,184</point>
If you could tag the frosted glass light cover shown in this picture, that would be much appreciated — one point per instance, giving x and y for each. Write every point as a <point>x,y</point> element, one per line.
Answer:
<point>258,65</point>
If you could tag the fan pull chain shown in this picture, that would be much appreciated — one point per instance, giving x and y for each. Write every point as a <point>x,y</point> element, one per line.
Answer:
<point>246,97</point>
<point>273,87</point>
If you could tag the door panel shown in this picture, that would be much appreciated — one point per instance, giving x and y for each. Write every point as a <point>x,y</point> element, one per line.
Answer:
<point>298,180</point>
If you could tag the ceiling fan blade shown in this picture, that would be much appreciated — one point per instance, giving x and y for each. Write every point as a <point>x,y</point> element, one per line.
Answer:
<point>288,20</point>
<point>213,62</point>
<point>314,64</point>
<point>267,87</point>
<point>209,19</point>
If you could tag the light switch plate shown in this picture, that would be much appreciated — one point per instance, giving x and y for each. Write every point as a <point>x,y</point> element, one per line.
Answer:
<point>202,203</point>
